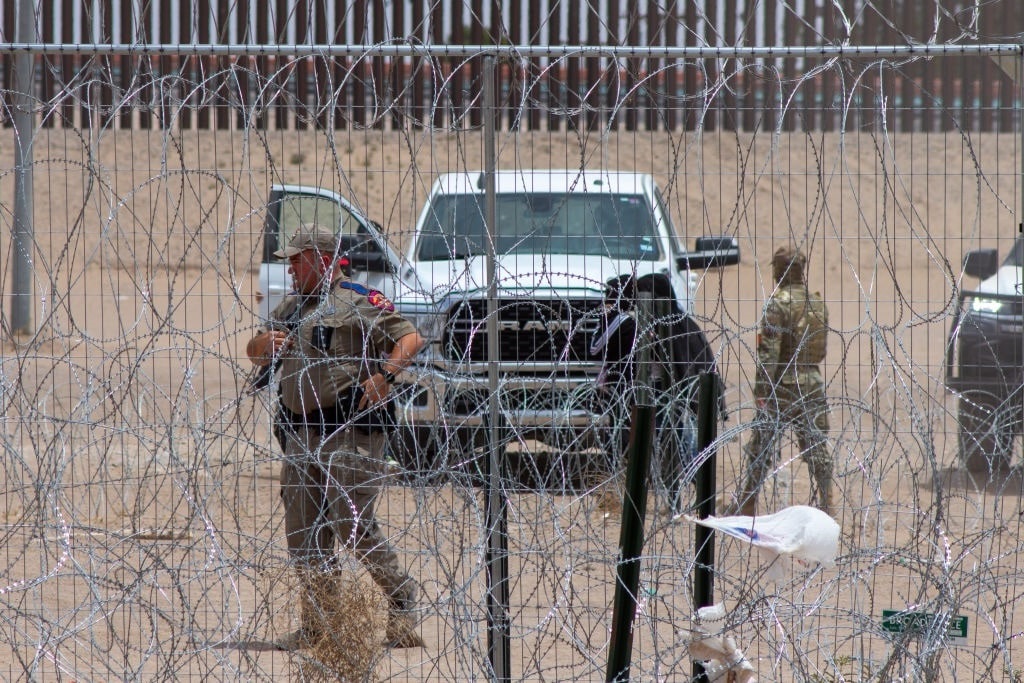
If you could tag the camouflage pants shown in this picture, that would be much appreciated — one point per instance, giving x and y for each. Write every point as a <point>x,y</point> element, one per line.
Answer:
<point>803,409</point>
<point>329,488</point>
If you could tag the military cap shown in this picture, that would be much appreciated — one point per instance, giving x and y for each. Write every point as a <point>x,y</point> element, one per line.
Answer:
<point>788,265</point>
<point>309,236</point>
<point>787,256</point>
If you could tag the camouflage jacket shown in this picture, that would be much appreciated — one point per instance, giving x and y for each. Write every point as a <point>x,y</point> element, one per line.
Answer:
<point>791,341</point>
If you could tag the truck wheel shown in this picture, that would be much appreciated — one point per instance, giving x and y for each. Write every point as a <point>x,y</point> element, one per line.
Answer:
<point>415,450</point>
<point>987,427</point>
<point>460,455</point>
<point>675,449</point>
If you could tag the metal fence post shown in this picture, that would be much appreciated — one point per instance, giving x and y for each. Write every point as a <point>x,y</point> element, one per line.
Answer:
<point>705,485</point>
<point>498,631</point>
<point>634,507</point>
<point>23,237</point>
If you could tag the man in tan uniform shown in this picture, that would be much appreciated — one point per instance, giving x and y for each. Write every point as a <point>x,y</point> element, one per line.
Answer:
<point>789,389</point>
<point>340,346</point>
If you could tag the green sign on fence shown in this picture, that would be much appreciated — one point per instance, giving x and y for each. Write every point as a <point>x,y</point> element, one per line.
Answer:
<point>916,623</point>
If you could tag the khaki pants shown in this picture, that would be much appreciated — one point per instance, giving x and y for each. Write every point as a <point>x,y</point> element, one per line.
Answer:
<point>329,488</point>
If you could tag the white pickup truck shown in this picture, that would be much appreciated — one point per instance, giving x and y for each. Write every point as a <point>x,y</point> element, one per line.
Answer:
<point>560,236</point>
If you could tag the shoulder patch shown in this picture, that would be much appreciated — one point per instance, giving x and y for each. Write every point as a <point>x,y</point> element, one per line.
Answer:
<point>376,298</point>
<point>380,301</point>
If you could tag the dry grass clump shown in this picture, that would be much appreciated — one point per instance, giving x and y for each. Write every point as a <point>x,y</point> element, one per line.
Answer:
<point>608,494</point>
<point>349,617</point>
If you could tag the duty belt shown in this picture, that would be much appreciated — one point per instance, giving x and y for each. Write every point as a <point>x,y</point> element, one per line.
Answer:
<point>343,414</point>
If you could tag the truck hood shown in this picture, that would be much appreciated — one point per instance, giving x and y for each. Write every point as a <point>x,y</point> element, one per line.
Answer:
<point>1007,280</point>
<point>524,274</point>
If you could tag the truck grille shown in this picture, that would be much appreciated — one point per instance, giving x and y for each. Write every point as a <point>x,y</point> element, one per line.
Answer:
<point>991,349</point>
<point>542,398</point>
<point>530,331</point>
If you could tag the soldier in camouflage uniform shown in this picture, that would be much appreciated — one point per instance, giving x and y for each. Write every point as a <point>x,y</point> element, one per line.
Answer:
<point>340,347</point>
<point>789,389</point>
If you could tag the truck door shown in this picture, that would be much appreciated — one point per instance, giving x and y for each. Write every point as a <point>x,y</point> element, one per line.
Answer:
<point>373,262</point>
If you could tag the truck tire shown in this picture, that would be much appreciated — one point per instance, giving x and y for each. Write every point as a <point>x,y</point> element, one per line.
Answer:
<point>427,454</point>
<point>675,450</point>
<point>988,424</point>
<point>415,449</point>
<point>459,454</point>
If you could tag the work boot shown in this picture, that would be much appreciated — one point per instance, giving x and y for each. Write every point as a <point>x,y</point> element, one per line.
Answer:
<point>299,639</point>
<point>401,630</point>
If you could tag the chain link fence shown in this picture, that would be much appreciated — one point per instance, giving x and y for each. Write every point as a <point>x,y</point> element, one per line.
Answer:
<point>143,530</point>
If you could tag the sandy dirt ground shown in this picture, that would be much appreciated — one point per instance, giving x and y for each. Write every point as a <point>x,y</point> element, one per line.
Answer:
<point>142,525</point>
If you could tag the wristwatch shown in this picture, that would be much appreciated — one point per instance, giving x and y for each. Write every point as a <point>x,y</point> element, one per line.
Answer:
<point>389,377</point>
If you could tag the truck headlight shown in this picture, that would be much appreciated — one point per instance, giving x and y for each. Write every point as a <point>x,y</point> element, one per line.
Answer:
<point>986,306</point>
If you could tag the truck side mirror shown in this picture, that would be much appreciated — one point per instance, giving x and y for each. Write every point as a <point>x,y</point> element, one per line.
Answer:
<point>371,260</point>
<point>364,254</point>
<point>710,252</point>
<point>981,263</point>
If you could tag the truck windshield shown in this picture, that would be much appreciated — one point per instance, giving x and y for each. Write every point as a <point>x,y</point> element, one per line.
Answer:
<point>1016,256</point>
<point>618,226</point>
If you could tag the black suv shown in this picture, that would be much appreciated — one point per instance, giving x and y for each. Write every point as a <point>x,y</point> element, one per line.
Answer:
<point>985,359</point>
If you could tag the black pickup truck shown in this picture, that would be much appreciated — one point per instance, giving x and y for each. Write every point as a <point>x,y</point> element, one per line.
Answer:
<point>985,359</point>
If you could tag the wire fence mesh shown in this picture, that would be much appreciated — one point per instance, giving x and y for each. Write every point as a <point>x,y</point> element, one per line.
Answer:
<point>143,532</point>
